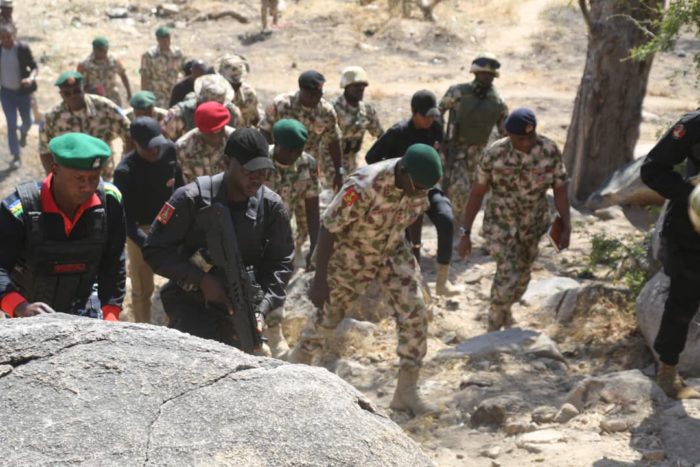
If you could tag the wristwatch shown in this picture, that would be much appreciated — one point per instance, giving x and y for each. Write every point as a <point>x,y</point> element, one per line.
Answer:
<point>464,232</point>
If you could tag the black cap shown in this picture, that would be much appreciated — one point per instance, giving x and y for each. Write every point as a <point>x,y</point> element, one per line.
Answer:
<point>249,147</point>
<point>311,80</point>
<point>425,103</point>
<point>147,133</point>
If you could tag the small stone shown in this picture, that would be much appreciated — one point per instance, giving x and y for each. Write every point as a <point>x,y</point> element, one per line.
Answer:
<point>542,437</point>
<point>516,428</point>
<point>452,305</point>
<point>493,452</point>
<point>167,9</point>
<point>117,13</point>
<point>614,425</point>
<point>450,338</point>
<point>460,456</point>
<point>495,464</point>
<point>544,414</point>
<point>531,448</point>
<point>653,455</point>
<point>566,413</point>
<point>491,412</point>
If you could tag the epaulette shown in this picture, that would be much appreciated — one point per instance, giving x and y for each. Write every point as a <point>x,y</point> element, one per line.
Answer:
<point>111,189</point>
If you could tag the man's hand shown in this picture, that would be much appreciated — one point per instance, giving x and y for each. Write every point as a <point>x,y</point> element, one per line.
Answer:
<point>319,292</point>
<point>337,181</point>
<point>26,82</point>
<point>26,309</point>
<point>465,246</point>
<point>215,292</point>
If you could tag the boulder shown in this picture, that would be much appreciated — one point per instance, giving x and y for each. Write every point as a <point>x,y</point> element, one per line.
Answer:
<point>538,291</point>
<point>650,308</point>
<point>84,391</point>
<point>571,302</point>
<point>624,186</point>
<point>515,341</point>
<point>628,389</point>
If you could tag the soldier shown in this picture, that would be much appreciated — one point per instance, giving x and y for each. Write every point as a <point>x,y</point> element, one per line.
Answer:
<point>355,116</point>
<point>143,104</point>
<point>193,69</point>
<point>147,177</point>
<point>474,109</point>
<point>62,235</point>
<point>423,127</point>
<point>201,150</point>
<point>180,118</point>
<point>84,113</point>
<point>160,67</point>
<point>100,68</point>
<point>195,300</point>
<point>268,7</point>
<point>681,246</point>
<point>6,8</point>
<point>362,238</point>
<point>518,169</point>
<point>308,106</point>
<point>233,68</point>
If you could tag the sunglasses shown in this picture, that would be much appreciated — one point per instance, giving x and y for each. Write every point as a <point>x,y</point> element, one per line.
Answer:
<point>488,62</point>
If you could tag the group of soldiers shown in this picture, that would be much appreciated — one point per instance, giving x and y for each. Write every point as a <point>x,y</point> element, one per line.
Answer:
<point>63,238</point>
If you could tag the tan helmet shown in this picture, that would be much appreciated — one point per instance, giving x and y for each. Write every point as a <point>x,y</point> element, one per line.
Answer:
<point>694,208</point>
<point>485,62</point>
<point>213,88</point>
<point>233,67</point>
<point>352,75</point>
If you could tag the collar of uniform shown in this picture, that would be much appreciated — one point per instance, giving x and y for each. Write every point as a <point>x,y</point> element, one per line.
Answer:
<point>48,205</point>
<point>253,202</point>
<point>89,106</point>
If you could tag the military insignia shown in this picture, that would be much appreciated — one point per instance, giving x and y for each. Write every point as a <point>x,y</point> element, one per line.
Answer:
<point>96,163</point>
<point>350,196</point>
<point>166,212</point>
<point>16,208</point>
<point>529,129</point>
<point>678,131</point>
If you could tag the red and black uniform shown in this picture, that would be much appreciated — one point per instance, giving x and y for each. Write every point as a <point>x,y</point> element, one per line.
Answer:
<point>47,257</point>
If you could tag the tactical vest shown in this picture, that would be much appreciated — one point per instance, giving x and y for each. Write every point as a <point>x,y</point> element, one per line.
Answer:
<point>59,273</point>
<point>476,117</point>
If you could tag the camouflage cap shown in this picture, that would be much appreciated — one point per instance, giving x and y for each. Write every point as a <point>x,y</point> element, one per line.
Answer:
<point>353,75</point>
<point>233,67</point>
<point>68,78</point>
<point>694,208</point>
<point>485,63</point>
<point>79,151</point>
<point>213,88</point>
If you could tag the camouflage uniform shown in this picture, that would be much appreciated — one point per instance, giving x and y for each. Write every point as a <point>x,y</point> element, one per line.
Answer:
<point>295,184</point>
<point>354,122</point>
<point>163,70</point>
<point>197,157</point>
<point>158,113</point>
<point>179,119</point>
<point>368,217</point>
<point>321,122</point>
<point>103,73</point>
<point>247,101</point>
<point>465,156</point>
<point>100,118</point>
<point>516,214</point>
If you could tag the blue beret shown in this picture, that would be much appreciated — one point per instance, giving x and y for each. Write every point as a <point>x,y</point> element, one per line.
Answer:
<point>521,121</point>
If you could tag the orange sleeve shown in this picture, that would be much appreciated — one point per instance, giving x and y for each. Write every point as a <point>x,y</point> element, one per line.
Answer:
<point>9,302</point>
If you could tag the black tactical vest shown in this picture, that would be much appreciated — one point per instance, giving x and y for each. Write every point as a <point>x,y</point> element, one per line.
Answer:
<point>59,273</point>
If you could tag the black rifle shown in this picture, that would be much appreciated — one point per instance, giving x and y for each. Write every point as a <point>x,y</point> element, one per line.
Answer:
<point>244,294</point>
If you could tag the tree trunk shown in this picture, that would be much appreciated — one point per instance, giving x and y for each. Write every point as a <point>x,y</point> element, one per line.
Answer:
<point>608,108</point>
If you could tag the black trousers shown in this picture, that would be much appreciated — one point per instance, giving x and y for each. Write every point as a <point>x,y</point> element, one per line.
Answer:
<point>440,214</point>
<point>683,267</point>
<point>188,313</point>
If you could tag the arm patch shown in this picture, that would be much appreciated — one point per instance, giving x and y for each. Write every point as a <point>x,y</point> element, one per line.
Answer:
<point>112,190</point>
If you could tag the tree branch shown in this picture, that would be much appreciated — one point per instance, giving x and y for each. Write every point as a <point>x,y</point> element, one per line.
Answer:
<point>584,11</point>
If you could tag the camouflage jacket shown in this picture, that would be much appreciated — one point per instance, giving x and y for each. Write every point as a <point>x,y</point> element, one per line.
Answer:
<point>369,214</point>
<point>179,119</point>
<point>158,113</point>
<point>197,157</point>
<point>100,118</point>
<point>295,183</point>
<point>517,208</point>
<point>321,121</point>
<point>247,101</point>
<point>354,122</point>
<point>102,73</point>
<point>162,69</point>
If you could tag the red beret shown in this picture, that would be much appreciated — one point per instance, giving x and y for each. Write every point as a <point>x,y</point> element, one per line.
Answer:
<point>211,116</point>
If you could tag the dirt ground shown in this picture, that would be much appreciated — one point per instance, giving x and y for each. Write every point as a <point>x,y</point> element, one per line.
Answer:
<point>542,46</point>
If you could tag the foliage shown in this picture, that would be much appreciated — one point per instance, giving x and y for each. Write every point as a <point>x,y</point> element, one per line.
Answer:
<point>626,257</point>
<point>679,14</point>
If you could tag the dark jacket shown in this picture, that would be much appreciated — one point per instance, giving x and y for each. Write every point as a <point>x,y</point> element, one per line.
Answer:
<point>26,64</point>
<point>399,137</point>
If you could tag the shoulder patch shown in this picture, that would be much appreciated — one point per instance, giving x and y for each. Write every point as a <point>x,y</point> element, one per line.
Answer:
<point>678,131</point>
<point>112,190</point>
<point>16,208</point>
<point>350,196</point>
<point>166,212</point>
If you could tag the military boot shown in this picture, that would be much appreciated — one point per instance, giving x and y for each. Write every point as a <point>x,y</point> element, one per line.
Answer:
<point>276,342</point>
<point>407,398</point>
<point>669,380</point>
<point>442,285</point>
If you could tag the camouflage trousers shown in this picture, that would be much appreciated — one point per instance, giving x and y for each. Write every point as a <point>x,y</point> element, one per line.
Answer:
<point>350,162</point>
<point>460,178</point>
<point>349,274</point>
<point>302,227</point>
<point>514,261</point>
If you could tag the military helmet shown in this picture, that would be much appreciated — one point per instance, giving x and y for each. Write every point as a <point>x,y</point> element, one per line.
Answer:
<point>485,62</point>
<point>694,208</point>
<point>233,67</point>
<point>352,75</point>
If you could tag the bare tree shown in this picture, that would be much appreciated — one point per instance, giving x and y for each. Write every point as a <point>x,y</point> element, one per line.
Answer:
<point>608,108</point>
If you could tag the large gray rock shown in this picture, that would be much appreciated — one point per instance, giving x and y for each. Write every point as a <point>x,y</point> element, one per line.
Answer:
<point>567,304</point>
<point>81,391</point>
<point>629,389</point>
<point>539,291</point>
<point>650,308</point>
<point>514,341</point>
<point>624,186</point>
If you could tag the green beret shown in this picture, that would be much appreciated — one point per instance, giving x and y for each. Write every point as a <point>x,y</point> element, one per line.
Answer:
<point>423,164</point>
<point>79,151</point>
<point>290,133</point>
<point>163,31</point>
<point>143,100</point>
<point>68,78</point>
<point>100,42</point>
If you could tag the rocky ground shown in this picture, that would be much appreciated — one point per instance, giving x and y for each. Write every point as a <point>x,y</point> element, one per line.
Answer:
<point>570,387</point>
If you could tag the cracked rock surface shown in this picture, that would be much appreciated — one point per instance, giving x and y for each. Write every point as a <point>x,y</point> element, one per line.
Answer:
<point>81,391</point>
